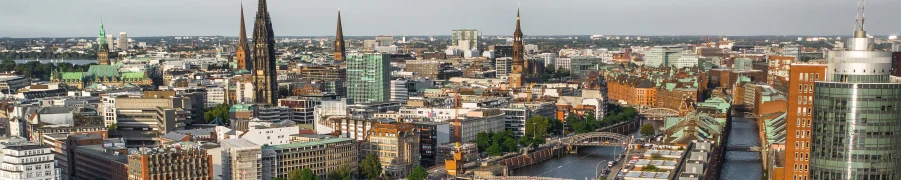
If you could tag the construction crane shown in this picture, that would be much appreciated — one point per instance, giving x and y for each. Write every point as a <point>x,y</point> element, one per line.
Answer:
<point>457,136</point>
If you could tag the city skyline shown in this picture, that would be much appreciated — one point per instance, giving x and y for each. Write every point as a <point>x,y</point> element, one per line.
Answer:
<point>370,18</point>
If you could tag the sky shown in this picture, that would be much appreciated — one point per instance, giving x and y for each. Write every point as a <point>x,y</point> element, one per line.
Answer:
<point>141,18</point>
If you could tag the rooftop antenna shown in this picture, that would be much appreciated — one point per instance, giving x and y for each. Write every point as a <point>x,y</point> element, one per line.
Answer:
<point>859,31</point>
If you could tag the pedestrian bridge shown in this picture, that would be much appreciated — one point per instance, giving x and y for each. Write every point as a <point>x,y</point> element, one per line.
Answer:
<point>597,139</point>
<point>658,113</point>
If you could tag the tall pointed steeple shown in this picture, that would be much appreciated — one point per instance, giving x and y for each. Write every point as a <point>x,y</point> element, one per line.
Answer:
<point>265,84</point>
<point>242,58</point>
<point>340,52</point>
<point>103,48</point>
<point>517,69</point>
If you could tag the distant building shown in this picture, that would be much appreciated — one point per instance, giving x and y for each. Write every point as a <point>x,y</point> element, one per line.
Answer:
<point>10,84</point>
<point>581,66</point>
<point>516,114</point>
<point>301,109</point>
<point>384,40</point>
<point>141,121</point>
<point>396,146</point>
<point>170,163</point>
<point>123,41</point>
<point>321,157</point>
<point>468,38</point>
<point>431,136</point>
<point>502,67</point>
<point>432,69</point>
<point>370,82</point>
<point>399,91</point>
<point>662,56</point>
<point>332,77</point>
<point>245,160</point>
<point>687,60</point>
<point>479,121</point>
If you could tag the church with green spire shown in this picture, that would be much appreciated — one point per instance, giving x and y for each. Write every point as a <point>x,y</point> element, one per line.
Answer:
<point>103,74</point>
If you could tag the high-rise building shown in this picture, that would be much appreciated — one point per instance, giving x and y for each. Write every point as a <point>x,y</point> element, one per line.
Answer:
<point>471,37</point>
<point>517,68</point>
<point>102,48</point>
<point>370,78</point>
<point>340,51</point>
<point>856,114</point>
<point>110,44</point>
<point>799,117</point>
<point>123,41</point>
<point>242,58</point>
<point>191,162</point>
<point>662,56</point>
<point>265,84</point>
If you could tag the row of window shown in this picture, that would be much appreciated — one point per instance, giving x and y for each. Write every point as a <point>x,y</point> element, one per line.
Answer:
<point>801,167</point>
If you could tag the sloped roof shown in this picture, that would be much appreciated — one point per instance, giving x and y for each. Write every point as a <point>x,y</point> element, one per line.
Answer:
<point>73,75</point>
<point>133,75</point>
<point>103,71</point>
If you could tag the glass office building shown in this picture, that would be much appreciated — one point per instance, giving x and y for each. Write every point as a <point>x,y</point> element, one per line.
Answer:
<point>855,116</point>
<point>368,77</point>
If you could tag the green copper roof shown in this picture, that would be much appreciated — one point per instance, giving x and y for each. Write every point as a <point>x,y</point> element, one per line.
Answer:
<point>240,107</point>
<point>133,75</point>
<point>103,71</point>
<point>102,40</point>
<point>670,86</point>
<point>72,75</point>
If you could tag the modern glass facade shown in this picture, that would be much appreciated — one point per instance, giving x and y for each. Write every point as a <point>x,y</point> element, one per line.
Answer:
<point>856,115</point>
<point>854,131</point>
<point>368,78</point>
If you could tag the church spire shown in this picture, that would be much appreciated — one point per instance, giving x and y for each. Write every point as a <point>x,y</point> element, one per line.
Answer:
<point>265,84</point>
<point>102,47</point>
<point>242,58</point>
<point>102,32</point>
<point>518,30</point>
<point>518,64</point>
<point>340,52</point>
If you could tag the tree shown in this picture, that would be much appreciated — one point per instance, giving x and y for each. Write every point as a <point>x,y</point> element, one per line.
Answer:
<point>483,140</point>
<point>220,111</point>
<point>342,173</point>
<point>650,168</point>
<point>656,156</point>
<point>537,125</point>
<point>302,174</point>
<point>370,167</point>
<point>647,129</point>
<point>510,145</point>
<point>495,150</point>
<point>418,173</point>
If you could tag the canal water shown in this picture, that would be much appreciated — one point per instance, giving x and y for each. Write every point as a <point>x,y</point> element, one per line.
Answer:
<point>572,166</point>
<point>743,165</point>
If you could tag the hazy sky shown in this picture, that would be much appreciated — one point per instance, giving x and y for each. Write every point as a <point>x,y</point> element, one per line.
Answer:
<point>67,18</point>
